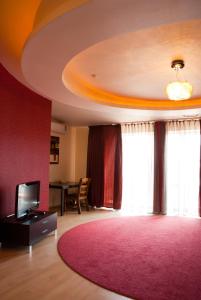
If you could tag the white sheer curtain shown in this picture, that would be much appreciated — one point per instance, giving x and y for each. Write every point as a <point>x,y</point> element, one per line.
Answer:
<point>182,167</point>
<point>138,166</point>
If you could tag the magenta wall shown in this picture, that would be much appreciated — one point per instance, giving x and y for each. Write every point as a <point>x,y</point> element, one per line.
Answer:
<point>25,119</point>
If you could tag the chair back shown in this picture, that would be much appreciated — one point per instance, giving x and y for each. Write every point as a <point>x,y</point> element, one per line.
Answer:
<point>83,188</point>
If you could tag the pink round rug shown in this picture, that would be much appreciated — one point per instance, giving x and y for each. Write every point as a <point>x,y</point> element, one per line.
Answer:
<point>144,258</point>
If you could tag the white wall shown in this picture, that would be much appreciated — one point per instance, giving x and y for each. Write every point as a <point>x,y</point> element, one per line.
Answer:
<point>72,161</point>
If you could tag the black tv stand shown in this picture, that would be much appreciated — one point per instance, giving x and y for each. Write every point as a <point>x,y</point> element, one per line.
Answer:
<point>27,230</point>
<point>34,214</point>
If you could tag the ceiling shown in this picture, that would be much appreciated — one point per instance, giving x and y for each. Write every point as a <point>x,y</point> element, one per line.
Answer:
<point>103,62</point>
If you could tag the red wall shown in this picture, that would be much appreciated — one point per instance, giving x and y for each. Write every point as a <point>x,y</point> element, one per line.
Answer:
<point>25,119</point>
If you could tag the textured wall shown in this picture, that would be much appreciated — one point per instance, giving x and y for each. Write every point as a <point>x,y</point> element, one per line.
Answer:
<point>24,140</point>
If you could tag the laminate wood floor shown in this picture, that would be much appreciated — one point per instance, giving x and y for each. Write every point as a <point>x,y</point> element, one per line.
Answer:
<point>43,275</point>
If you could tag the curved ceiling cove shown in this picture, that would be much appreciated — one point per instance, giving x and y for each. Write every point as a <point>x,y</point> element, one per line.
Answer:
<point>132,70</point>
<point>19,20</point>
<point>51,9</point>
<point>16,24</point>
<point>109,59</point>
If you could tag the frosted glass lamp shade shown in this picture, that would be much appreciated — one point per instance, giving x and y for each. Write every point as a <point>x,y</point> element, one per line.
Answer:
<point>179,90</point>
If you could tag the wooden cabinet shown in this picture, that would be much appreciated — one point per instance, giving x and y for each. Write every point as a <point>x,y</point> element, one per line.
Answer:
<point>29,230</point>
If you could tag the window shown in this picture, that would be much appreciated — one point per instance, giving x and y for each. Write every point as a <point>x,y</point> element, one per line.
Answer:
<point>138,168</point>
<point>182,167</point>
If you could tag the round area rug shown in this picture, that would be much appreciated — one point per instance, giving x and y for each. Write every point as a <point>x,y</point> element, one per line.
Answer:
<point>144,258</point>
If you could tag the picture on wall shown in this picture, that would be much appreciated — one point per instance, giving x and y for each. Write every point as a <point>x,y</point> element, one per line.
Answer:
<point>54,150</point>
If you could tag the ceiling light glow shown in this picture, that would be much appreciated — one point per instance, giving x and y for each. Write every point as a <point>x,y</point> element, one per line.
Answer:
<point>179,89</point>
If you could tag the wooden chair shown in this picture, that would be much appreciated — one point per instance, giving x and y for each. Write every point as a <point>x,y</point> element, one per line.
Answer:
<point>81,196</point>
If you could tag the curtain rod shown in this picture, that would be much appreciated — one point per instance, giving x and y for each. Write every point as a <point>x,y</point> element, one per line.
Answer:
<point>162,120</point>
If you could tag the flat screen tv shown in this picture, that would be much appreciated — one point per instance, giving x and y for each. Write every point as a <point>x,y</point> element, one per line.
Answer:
<point>27,198</point>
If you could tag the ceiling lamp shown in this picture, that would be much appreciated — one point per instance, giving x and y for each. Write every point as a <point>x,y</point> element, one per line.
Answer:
<point>179,89</point>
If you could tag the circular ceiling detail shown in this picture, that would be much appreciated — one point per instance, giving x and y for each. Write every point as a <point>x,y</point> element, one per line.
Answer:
<point>132,70</point>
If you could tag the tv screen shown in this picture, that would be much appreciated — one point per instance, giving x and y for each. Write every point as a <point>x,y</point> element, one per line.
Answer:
<point>27,198</point>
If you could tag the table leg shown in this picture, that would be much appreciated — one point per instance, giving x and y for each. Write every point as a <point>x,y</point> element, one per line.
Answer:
<point>62,201</point>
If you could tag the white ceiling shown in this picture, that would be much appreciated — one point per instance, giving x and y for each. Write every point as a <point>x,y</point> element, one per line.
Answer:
<point>120,48</point>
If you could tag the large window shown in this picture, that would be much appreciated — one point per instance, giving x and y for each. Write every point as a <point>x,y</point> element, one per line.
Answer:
<point>182,167</point>
<point>138,162</point>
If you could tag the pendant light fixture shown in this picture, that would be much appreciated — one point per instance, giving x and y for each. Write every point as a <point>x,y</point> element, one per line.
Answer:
<point>179,89</point>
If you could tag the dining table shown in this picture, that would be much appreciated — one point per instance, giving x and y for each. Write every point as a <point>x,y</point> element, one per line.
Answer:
<point>63,186</point>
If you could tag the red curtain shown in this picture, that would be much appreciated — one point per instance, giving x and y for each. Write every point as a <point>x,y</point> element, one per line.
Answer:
<point>104,166</point>
<point>159,151</point>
